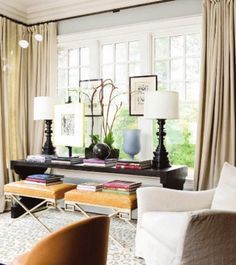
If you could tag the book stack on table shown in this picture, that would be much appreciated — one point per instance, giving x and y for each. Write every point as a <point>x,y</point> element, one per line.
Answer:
<point>99,162</point>
<point>134,164</point>
<point>55,159</point>
<point>44,179</point>
<point>66,160</point>
<point>90,186</point>
<point>121,187</point>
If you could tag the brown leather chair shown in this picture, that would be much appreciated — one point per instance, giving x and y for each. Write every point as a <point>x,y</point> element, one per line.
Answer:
<point>81,243</point>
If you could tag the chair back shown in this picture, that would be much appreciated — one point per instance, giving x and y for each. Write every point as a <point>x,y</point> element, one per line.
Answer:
<point>81,243</point>
<point>225,195</point>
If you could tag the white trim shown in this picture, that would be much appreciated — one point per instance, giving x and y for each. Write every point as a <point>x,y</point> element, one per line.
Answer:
<point>134,31</point>
<point>17,11</point>
<point>34,12</point>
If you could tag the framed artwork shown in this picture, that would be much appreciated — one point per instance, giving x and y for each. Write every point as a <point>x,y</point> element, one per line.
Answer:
<point>69,125</point>
<point>93,92</point>
<point>138,85</point>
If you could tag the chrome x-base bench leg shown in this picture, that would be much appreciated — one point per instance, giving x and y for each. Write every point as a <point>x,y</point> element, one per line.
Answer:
<point>28,211</point>
<point>71,206</point>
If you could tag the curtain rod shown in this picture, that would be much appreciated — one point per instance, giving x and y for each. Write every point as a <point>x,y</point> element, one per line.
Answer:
<point>116,10</point>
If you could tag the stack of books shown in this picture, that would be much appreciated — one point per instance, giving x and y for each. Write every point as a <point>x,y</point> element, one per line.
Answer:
<point>99,162</point>
<point>36,158</point>
<point>121,187</point>
<point>90,186</point>
<point>134,164</point>
<point>66,160</point>
<point>44,179</point>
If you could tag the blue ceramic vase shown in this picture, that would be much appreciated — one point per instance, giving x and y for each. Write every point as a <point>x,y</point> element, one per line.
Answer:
<point>131,142</point>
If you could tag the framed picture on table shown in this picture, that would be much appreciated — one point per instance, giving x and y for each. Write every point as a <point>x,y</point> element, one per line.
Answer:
<point>138,85</point>
<point>92,92</point>
<point>69,125</point>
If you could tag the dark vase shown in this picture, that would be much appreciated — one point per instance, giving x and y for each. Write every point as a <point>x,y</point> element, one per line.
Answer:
<point>114,153</point>
<point>88,152</point>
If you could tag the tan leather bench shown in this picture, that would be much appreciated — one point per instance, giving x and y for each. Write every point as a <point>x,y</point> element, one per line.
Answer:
<point>120,205</point>
<point>50,195</point>
<point>103,199</point>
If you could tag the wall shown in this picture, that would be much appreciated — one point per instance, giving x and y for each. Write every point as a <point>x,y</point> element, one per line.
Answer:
<point>166,10</point>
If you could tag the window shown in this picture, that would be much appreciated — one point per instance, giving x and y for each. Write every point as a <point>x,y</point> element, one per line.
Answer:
<point>169,49</point>
<point>73,66</point>
<point>119,61</point>
<point>177,63</point>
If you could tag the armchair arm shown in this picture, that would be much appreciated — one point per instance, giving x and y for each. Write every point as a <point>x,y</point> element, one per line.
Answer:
<point>161,199</point>
<point>210,238</point>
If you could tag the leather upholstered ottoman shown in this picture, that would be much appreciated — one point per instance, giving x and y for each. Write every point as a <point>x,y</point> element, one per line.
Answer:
<point>50,195</point>
<point>120,205</point>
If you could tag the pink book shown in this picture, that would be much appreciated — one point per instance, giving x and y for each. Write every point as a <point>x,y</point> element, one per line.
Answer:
<point>121,184</point>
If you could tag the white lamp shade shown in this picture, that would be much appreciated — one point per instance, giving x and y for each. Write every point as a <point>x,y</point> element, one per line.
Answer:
<point>43,108</point>
<point>161,105</point>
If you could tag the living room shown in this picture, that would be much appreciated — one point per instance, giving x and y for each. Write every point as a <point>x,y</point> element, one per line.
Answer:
<point>119,118</point>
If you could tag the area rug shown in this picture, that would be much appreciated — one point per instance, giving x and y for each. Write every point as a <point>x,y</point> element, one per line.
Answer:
<point>24,233</point>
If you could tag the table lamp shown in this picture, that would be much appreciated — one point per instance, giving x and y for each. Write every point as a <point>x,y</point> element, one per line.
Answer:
<point>161,105</point>
<point>44,110</point>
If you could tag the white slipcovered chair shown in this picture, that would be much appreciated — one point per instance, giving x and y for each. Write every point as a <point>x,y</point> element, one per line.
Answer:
<point>188,227</point>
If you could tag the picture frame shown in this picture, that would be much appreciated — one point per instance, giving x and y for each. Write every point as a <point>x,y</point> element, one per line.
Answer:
<point>69,125</point>
<point>88,88</point>
<point>138,85</point>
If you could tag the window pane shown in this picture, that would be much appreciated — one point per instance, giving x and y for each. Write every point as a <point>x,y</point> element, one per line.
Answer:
<point>192,91</point>
<point>108,54</point>
<point>73,58</point>
<point>192,68</point>
<point>162,48</point>
<point>62,78</point>
<point>177,46</point>
<point>121,73</point>
<point>134,69</point>
<point>177,69</point>
<point>62,58</point>
<point>84,56</point>
<point>180,88</point>
<point>161,68</point>
<point>73,77</point>
<point>107,72</point>
<point>134,51</point>
<point>84,73</point>
<point>193,44</point>
<point>121,53</point>
<point>163,86</point>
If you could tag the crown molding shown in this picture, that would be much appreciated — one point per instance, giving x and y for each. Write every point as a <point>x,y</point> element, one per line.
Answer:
<point>17,12</point>
<point>47,10</point>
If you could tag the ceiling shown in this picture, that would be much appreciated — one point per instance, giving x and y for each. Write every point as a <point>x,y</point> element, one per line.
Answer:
<point>31,11</point>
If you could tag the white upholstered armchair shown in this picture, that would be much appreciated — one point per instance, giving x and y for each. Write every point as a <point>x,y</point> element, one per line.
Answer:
<point>188,228</point>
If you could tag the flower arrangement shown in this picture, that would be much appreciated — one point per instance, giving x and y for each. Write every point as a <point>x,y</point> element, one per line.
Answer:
<point>107,88</point>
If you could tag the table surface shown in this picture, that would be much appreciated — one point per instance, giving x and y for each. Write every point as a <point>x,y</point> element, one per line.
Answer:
<point>181,171</point>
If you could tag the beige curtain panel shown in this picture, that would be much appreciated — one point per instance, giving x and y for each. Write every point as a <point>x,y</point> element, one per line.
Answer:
<point>216,141</point>
<point>24,74</point>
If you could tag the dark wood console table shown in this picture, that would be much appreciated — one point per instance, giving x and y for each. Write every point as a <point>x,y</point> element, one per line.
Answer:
<point>173,177</point>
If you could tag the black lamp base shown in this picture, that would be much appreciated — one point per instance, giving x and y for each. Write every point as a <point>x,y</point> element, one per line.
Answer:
<point>160,159</point>
<point>48,148</point>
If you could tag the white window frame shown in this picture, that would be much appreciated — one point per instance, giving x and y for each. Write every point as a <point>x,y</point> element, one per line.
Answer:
<point>146,32</point>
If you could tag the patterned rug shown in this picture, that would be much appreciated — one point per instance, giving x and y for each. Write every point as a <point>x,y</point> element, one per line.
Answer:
<point>24,233</point>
